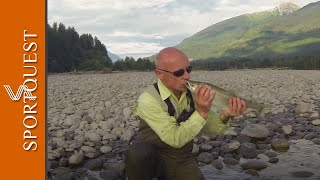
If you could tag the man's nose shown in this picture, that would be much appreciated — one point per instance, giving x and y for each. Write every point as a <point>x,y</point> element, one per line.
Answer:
<point>186,75</point>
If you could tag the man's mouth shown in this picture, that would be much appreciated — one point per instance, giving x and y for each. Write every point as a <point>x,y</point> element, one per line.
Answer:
<point>187,84</point>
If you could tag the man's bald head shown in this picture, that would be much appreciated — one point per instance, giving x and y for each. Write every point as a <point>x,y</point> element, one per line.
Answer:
<point>169,61</point>
<point>169,55</point>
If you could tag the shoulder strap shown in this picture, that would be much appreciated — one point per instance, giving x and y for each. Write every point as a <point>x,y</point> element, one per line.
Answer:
<point>191,100</point>
<point>186,114</point>
<point>171,109</point>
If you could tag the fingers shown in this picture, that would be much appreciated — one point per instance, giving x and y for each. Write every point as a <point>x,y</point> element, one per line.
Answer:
<point>199,90</point>
<point>212,94</point>
<point>204,96</point>
<point>234,105</point>
<point>204,92</point>
<point>244,105</point>
<point>237,106</point>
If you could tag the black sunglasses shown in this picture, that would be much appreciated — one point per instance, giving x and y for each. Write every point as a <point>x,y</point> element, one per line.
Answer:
<point>179,72</point>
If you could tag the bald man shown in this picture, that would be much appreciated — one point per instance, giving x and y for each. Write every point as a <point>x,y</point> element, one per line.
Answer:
<point>170,118</point>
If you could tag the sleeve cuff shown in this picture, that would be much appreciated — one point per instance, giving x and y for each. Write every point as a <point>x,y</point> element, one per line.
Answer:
<point>196,116</point>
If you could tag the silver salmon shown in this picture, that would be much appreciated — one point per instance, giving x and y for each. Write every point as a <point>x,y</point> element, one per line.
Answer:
<point>221,99</point>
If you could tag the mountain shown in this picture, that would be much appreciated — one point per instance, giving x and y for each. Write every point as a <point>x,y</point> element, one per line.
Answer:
<point>113,57</point>
<point>286,30</point>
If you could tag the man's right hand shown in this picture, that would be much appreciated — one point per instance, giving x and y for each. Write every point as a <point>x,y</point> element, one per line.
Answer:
<point>204,96</point>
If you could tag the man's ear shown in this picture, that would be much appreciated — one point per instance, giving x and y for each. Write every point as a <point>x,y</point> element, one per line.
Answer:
<point>159,74</point>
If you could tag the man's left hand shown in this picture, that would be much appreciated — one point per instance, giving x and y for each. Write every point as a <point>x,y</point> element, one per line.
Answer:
<point>236,107</point>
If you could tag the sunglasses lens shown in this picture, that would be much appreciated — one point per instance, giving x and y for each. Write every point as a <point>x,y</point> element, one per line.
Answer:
<point>179,73</point>
<point>189,69</point>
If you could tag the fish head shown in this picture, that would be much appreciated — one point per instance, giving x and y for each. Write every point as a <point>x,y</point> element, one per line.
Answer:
<point>191,86</point>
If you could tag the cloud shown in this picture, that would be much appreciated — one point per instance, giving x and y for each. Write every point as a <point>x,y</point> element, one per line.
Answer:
<point>133,27</point>
<point>135,49</point>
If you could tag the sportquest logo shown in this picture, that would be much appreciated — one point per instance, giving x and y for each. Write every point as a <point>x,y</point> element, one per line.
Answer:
<point>22,89</point>
<point>27,92</point>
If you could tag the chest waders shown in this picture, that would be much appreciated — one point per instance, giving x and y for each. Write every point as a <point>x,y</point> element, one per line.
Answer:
<point>150,157</point>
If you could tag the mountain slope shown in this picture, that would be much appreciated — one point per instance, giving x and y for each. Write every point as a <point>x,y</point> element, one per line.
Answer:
<point>113,57</point>
<point>284,31</point>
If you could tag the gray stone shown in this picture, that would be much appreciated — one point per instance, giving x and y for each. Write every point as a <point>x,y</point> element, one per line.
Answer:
<point>127,135</point>
<point>109,136</point>
<point>71,120</point>
<point>91,155</point>
<point>273,160</point>
<point>69,176</point>
<point>316,141</point>
<point>280,145</point>
<point>115,166</point>
<point>88,149</point>
<point>243,138</point>
<point>316,122</point>
<point>105,125</point>
<point>303,174</point>
<point>271,154</point>
<point>255,130</point>
<point>105,149</point>
<point>206,147</point>
<point>59,133</point>
<point>263,157</point>
<point>230,147</point>
<point>63,162</point>
<point>214,143</point>
<point>80,139</point>
<point>217,164</point>
<point>94,126</point>
<point>230,161</point>
<point>99,117</point>
<point>88,119</point>
<point>93,136</point>
<point>254,164</point>
<point>60,171</point>
<point>76,158</point>
<point>109,175</point>
<point>314,115</point>
<point>69,110</point>
<point>230,132</point>
<point>205,157</point>
<point>287,129</point>
<point>195,149</point>
<point>118,131</point>
<point>252,172</point>
<point>303,108</point>
<point>52,155</point>
<point>309,136</point>
<point>108,104</point>
<point>94,164</point>
<point>263,146</point>
<point>53,164</point>
<point>215,155</point>
<point>126,113</point>
<point>248,150</point>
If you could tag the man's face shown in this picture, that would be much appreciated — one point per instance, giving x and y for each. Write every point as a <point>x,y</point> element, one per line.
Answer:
<point>172,82</point>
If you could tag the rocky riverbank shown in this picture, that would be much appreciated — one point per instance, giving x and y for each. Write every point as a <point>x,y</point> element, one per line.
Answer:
<point>90,125</point>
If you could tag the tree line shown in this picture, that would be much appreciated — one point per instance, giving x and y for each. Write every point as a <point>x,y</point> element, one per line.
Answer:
<point>68,51</point>
<point>296,62</point>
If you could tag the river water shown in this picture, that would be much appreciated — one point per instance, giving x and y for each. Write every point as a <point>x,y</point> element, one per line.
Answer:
<point>303,155</point>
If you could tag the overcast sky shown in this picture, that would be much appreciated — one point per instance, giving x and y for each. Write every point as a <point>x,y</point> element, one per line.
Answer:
<point>141,28</point>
